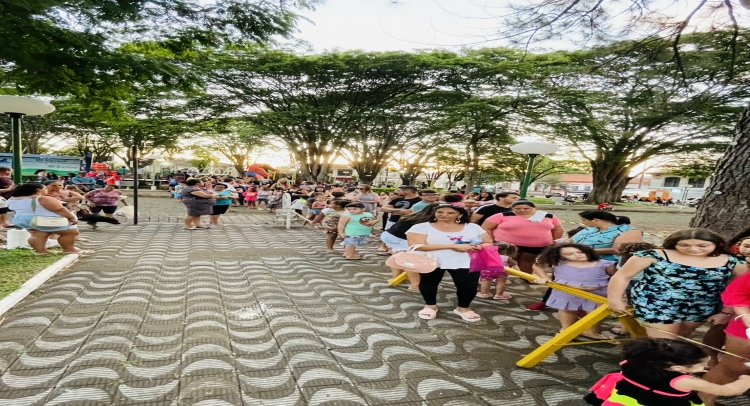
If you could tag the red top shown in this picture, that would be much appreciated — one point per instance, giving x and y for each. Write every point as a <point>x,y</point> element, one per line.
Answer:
<point>737,294</point>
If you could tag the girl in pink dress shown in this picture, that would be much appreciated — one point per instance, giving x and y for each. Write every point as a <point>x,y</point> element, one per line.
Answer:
<point>251,198</point>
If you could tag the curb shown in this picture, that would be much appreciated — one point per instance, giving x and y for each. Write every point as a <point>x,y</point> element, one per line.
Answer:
<point>37,280</point>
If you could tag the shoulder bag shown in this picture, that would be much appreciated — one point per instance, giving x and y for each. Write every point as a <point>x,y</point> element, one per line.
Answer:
<point>411,261</point>
<point>46,221</point>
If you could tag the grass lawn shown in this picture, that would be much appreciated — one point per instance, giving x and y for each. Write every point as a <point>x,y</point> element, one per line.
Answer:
<point>19,265</point>
<point>540,200</point>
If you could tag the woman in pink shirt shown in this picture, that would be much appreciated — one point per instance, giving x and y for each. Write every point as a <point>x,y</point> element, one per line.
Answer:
<point>527,228</point>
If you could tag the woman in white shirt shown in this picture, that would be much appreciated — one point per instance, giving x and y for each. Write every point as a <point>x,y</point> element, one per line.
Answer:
<point>449,237</point>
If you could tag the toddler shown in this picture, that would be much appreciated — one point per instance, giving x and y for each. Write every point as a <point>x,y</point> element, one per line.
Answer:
<point>263,194</point>
<point>251,198</point>
<point>274,200</point>
<point>355,226</point>
<point>659,371</point>
<point>506,251</point>
<point>316,209</point>
<point>333,213</point>
<point>176,191</point>
<point>579,266</point>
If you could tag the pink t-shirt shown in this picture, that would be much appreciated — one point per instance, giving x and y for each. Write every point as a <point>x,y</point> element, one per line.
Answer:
<point>519,231</point>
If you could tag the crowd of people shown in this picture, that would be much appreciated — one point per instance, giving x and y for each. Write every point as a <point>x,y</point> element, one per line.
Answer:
<point>695,277</point>
<point>51,208</point>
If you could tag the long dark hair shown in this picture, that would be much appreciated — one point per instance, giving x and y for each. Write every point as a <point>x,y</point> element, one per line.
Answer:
<point>702,234</point>
<point>653,356</point>
<point>463,217</point>
<point>604,216</point>
<point>551,255</point>
<point>27,189</point>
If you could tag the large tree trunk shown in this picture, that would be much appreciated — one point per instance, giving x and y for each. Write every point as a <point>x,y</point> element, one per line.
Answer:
<point>610,180</point>
<point>725,206</point>
<point>367,171</point>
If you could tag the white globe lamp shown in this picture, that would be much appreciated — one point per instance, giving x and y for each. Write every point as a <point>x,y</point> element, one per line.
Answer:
<point>17,107</point>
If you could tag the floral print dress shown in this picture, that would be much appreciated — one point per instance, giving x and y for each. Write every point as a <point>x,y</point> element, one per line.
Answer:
<point>671,292</point>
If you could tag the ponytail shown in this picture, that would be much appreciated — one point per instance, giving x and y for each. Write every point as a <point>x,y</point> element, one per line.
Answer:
<point>622,220</point>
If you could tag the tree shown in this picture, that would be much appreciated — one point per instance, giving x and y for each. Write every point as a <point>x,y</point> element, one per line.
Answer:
<point>629,110</point>
<point>203,158</point>
<point>607,20</point>
<point>76,47</point>
<point>320,104</point>
<point>237,141</point>
<point>719,209</point>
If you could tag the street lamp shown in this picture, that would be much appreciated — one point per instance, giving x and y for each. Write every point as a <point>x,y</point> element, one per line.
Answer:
<point>533,150</point>
<point>17,107</point>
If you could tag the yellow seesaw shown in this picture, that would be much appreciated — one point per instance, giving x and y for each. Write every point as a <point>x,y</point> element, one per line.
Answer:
<point>566,336</point>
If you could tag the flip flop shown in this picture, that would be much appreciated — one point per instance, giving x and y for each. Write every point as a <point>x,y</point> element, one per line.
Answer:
<point>189,228</point>
<point>427,314</point>
<point>504,296</point>
<point>353,259</point>
<point>483,295</point>
<point>466,316</point>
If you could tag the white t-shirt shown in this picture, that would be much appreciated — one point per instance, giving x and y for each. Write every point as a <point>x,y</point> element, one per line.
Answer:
<point>449,259</point>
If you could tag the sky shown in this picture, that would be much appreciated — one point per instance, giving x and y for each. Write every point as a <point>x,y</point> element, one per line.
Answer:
<point>381,25</point>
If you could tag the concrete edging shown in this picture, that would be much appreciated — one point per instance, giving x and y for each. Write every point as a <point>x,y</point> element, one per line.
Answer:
<point>37,280</point>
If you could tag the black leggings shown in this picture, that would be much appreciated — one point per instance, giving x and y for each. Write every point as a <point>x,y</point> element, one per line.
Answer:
<point>466,285</point>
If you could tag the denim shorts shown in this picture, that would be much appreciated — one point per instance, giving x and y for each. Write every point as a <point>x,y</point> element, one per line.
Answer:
<point>356,241</point>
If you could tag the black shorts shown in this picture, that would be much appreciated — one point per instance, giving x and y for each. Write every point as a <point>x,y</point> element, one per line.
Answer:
<point>106,209</point>
<point>4,210</point>
<point>219,209</point>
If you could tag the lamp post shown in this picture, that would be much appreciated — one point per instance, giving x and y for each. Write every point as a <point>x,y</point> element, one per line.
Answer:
<point>533,150</point>
<point>17,107</point>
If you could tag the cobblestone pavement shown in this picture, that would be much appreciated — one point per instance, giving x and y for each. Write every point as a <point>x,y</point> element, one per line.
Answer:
<point>252,314</point>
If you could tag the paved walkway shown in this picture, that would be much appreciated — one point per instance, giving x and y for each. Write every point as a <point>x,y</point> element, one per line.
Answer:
<point>252,314</point>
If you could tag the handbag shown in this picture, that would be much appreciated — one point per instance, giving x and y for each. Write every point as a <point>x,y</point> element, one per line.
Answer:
<point>46,221</point>
<point>3,203</point>
<point>411,261</point>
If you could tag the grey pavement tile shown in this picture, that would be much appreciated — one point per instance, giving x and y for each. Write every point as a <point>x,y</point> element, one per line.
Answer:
<point>31,397</point>
<point>342,394</point>
<point>209,386</point>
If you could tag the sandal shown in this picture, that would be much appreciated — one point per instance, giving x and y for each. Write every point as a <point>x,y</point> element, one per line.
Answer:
<point>483,295</point>
<point>353,259</point>
<point>504,296</point>
<point>189,228</point>
<point>469,316</point>
<point>427,313</point>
